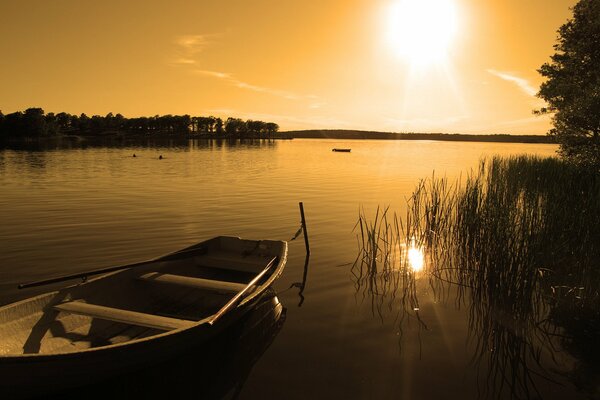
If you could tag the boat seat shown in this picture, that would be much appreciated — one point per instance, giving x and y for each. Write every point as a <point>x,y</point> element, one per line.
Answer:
<point>124,316</point>
<point>196,283</point>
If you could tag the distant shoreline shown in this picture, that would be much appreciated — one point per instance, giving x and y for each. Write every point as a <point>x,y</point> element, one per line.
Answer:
<point>449,137</point>
<point>305,134</point>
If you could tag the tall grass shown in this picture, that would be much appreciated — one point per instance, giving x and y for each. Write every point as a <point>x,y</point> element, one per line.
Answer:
<point>520,239</point>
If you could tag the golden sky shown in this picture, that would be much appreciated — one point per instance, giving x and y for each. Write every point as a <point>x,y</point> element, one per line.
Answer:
<point>457,66</point>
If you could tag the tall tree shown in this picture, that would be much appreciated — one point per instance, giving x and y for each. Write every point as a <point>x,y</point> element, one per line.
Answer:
<point>34,122</point>
<point>271,128</point>
<point>235,127</point>
<point>63,120</point>
<point>219,126</point>
<point>572,86</point>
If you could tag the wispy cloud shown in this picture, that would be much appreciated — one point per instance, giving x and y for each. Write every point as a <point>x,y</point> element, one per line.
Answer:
<point>188,47</point>
<point>230,79</point>
<point>213,74</point>
<point>316,105</point>
<point>522,83</point>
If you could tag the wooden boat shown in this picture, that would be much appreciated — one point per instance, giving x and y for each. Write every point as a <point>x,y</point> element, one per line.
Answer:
<point>215,370</point>
<point>131,317</point>
<point>342,150</point>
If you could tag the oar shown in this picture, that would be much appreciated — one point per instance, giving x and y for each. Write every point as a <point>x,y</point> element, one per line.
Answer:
<point>241,293</point>
<point>168,257</point>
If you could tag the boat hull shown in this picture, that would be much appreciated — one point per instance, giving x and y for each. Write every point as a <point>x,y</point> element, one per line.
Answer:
<point>38,372</point>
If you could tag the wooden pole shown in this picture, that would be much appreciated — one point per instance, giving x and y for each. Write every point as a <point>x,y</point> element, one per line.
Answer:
<point>304,228</point>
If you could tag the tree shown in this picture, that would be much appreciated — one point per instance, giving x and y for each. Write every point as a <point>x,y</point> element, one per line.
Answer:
<point>83,123</point>
<point>34,123</point>
<point>51,124</point>
<point>219,126</point>
<point>271,128</point>
<point>235,127</point>
<point>63,120</point>
<point>572,86</point>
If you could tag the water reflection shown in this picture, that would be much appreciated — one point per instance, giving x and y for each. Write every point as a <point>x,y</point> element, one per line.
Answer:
<point>505,249</point>
<point>302,285</point>
<point>416,257</point>
<point>141,142</point>
<point>514,347</point>
<point>386,269</point>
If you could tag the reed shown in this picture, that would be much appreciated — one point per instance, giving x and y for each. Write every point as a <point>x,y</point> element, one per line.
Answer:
<point>519,240</point>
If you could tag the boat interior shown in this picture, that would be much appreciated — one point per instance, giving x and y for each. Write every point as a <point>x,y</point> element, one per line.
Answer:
<point>174,292</point>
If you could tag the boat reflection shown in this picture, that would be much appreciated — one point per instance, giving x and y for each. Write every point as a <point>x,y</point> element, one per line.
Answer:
<point>216,370</point>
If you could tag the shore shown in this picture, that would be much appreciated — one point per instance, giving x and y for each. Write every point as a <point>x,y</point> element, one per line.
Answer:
<point>304,134</point>
<point>453,137</point>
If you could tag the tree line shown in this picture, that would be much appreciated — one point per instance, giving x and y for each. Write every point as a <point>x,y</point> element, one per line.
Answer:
<point>34,122</point>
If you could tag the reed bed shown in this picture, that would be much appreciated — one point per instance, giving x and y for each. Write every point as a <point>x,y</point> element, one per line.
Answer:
<point>519,241</point>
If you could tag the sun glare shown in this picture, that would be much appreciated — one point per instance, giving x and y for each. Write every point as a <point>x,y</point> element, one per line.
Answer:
<point>421,31</point>
<point>416,258</point>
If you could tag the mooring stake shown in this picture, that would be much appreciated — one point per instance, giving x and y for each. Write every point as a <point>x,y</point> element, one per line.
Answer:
<point>304,228</point>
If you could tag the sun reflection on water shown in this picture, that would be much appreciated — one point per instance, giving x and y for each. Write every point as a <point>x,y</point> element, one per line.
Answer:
<point>409,257</point>
<point>416,258</point>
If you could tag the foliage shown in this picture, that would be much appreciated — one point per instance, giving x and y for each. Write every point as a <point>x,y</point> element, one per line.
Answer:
<point>33,122</point>
<point>572,86</point>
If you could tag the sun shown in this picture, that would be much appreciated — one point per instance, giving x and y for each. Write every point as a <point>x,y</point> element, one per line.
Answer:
<point>421,31</point>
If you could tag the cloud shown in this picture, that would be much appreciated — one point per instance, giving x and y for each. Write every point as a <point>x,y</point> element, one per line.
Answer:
<point>189,46</point>
<point>230,79</point>
<point>522,83</point>
<point>213,74</point>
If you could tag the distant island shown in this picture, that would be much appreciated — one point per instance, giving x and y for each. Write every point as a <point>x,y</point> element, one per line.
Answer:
<point>453,137</point>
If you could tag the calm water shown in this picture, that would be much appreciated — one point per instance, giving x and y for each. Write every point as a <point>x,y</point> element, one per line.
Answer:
<point>72,209</point>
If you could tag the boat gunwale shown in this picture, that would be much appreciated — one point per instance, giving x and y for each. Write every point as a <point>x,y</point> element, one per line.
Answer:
<point>196,325</point>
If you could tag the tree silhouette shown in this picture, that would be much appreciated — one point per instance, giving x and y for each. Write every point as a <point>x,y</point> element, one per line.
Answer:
<point>235,127</point>
<point>34,123</point>
<point>572,86</point>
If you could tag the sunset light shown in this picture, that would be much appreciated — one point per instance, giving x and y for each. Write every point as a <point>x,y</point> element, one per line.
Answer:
<point>309,199</point>
<point>412,65</point>
<point>421,31</point>
<point>416,258</point>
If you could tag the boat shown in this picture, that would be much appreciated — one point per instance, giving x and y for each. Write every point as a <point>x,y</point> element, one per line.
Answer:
<point>132,316</point>
<point>342,150</point>
<point>216,370</point>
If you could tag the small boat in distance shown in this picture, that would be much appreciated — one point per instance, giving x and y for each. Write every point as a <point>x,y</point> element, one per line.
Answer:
<point>134,316</point>
<point>342,150</point>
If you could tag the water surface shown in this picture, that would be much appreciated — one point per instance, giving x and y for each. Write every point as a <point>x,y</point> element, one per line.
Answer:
<point>66,210</point>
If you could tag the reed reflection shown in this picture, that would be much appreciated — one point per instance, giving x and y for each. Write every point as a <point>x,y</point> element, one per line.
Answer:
<point>390,260</point>
<point>515,249</point>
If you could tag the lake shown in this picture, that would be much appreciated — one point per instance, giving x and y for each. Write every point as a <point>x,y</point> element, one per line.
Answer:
<point>70,208</point>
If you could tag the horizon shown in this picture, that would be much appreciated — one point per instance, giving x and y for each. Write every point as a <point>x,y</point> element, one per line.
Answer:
<point>386,66</point>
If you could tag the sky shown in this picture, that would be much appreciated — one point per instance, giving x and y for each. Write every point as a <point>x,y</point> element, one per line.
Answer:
<point>453,66</point>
